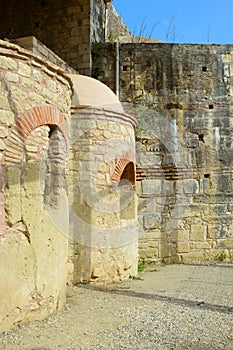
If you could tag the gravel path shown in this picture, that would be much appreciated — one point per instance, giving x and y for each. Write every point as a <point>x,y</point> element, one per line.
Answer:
<point>170,307</point>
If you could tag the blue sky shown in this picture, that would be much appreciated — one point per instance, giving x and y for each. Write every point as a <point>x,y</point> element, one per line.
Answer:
<point>180,21</point>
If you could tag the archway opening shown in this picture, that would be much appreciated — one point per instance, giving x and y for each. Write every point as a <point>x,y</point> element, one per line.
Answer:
<point>129,173</point>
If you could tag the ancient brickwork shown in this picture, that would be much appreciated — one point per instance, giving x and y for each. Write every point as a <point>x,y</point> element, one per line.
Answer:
<point>63,26</point>
<point>68,28</point>
<point>35,99</point>
<point>184,165</point>
<point>37,48</point>
<point>102,248</point>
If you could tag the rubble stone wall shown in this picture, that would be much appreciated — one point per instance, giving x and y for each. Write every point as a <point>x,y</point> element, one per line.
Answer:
<point>181,96</point>
<point>34,100</point>
<point>103,229</point>
<point>63,26</point>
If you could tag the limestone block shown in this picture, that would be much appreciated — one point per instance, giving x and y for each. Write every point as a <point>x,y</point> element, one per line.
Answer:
<point>229,243</point>
<point>167,250</point>
<point>198,233</point>
<point>3,132</point>
<point>150,187</point>
<point>17,280</point>
<point>187,186</point>
<point>149,254</point>
<point>18,94</point>
<point>12,77</point>
<point>179,235</point>
<point>224,183</point>
<point>8,63</point>
<point>2,145</point>
<point>7,117</point>
<point>183,247</point>
<point>24,69</point>
<point>203,245</point>
<point>150,235</point>
<point>192,257</point>
<point>3,101</point>
<point>12,195</point>
<point>214,231</point>
<point>151,220</point>
<point>149,160</point>
<point>28,83</point>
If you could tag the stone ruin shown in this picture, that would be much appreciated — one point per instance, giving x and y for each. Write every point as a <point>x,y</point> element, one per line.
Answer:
<point>90,185</point>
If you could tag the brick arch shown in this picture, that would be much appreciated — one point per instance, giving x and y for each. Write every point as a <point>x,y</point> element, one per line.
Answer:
<point>25,124</point>
<point>125,168</point>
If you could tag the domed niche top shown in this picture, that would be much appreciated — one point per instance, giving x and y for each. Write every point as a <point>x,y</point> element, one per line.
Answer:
<point>92,93</point>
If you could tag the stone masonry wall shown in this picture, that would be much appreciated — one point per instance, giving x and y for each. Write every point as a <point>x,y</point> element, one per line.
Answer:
<point>115,25</point>
<point>103,228</point>
<point>34,99</point>
<point>66,27</point>
<point>37,48</point>
<point>106,23</point>
<point>63,26</point>
<point>182,98</point>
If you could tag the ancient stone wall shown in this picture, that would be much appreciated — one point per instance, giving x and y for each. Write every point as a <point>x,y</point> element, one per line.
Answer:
<point>116,27</point>
<point>103,221</point>
<point>63,26</point>
<point>106,23</point>
<point>35,99</point>
<point>37,48</point>
<point>66,27</point>
<point>182,98</point>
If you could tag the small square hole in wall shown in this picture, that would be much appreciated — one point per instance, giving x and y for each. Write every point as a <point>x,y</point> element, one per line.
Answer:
<point>124,68</point>
<point>206,176</point>
<point>211,106</point>
<point>204,69</point>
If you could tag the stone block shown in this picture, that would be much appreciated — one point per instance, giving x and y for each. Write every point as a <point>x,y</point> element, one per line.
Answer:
<point>183,247</point>
<point>198,233</point>
<point>167,250</point>
<point>150,235</point>
<point>3,132</point>
<point>3,101</point>
<point>179,235</point>
<point>24,69</point>
<point>27,82</point>
<point>2,145</point>
<point>8,63</point>
<point>187,186</point>
<point>12,195</point>
<point>12,77</point>
<point>7,117</point>
<point>203,245</point>
<point>151,221</point>
<point>150,187</point>
<point>18,94</point>
<point>149,160</point>
<point>224,182</point>
<point>192,257</point>
<point>229,243</point>
<point>214,231</point>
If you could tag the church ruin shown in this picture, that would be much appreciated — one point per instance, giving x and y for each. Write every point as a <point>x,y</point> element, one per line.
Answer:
<point>90,184</point>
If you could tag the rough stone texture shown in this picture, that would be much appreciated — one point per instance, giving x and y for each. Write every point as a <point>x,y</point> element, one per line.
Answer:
<point>68,28</point>
<point>29,240</point>
<point>49,195</point>
<point>37,48</point>
<point>182,98</point>
<point>116,28</point>
<point>103,222</point>
<point>64,27</point>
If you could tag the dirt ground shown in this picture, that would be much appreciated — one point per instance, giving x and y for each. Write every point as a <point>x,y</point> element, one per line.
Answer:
<point>167,307</point>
